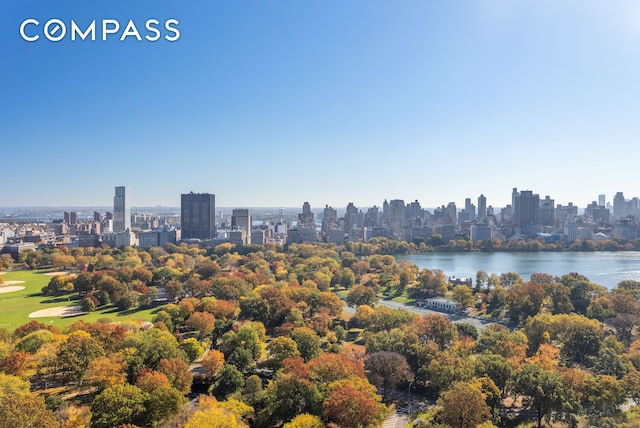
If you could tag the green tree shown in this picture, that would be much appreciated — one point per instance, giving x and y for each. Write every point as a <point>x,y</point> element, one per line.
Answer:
<point>543,391</point>
<point>307,341</point>
<point>75,354</point>
<point>192,349</point>
<point>288,396</point>
<point>281,348</point>
<point>118,405</point>
<point>228,381</point>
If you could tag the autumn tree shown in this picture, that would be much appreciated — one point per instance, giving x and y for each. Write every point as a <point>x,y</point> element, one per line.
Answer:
<point>75,354</point>
<point>387,369</point>
<point>178,373</point>
<point>212,362</point>
<point>431,283</point>
<point>463,406</point>
<point>106,371</point>
<point>352,402</point>
<point>463,295</point>
<point>361,295</point>
<point>26,411</point>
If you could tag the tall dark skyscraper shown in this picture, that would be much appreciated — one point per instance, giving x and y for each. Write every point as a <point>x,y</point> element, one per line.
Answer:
<point>526,208</point>
<point>197,215</point>
<point>121,210</point>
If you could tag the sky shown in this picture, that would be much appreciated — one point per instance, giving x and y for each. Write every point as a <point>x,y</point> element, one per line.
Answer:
<point>277,102</point>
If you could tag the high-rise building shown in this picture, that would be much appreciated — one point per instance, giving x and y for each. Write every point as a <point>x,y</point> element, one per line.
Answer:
<point>602,200</point>
<point>197,216</point>
<point>525,208</point>
<point>451,212</point>
<point>306,219</point>
<point>482,208</point>
<point>241,220</point>
<point>619,206</point>
<point>121,210</point>
<point>547,214</point>
<point>329,220</point>
<point>351,217</point>
<point>396,217</point>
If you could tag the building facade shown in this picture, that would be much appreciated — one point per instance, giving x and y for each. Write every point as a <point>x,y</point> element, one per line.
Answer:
<point>197,216</point>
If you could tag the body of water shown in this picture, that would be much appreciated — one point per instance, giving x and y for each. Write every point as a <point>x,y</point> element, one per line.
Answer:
<point>604,268</point>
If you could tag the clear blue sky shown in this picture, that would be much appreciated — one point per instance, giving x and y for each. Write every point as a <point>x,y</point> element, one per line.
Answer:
<point>277,102</point>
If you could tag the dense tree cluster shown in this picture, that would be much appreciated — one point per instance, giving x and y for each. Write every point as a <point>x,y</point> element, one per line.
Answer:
<point>262,331</point>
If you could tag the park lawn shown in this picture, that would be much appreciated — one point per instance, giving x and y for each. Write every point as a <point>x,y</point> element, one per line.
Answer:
<point>16,306</point>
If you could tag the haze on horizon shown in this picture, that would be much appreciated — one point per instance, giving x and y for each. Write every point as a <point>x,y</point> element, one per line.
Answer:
<point>273,104</point>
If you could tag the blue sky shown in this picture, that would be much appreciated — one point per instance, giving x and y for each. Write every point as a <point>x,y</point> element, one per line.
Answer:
<point>273,103</point>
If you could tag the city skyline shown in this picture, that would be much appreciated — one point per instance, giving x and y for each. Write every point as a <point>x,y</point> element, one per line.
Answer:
<point>274,104</point>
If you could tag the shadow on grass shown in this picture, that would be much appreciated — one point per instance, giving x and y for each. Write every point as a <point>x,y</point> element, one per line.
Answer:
<point>60,299</point>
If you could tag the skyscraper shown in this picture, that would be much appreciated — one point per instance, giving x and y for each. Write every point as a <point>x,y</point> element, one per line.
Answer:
<point>526,208</point>
<point>197,215</point>
<point>241,220</point>
<point>121,210</point>
<point>619,206</point>
<point>396,217</point>
<point>482,208</point>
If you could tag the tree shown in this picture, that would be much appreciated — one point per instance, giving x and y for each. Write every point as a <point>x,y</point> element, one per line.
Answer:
<point>281,348</point>
<point>329,367</point>
<point>75,354</point>
<point>361,295</point>
<point>192,349</point>
<point>543,391</point>
<point>203,322</point>
<point>463,406</point>
<point>582,339</point>
<point>253,393</point>
<point>117,405</point>
<point>445,369</point>
<point>104,372</point>
<point>353,402</point>
<point>228,381</point>
<point>387,369</point>
<point>288,396</point>
<point>152,346</point>
<point>436,328</point>
<point>12,385</point>
<point>606,394</point>
<point>162,399</point>
<point>307,341</point>
<point>524,300</point>
<point>212,362</point>
<point>178,373</point>
<point>463,295</point>
<point>26,411</point>
<point>305,420</point>
<point>431,283</point>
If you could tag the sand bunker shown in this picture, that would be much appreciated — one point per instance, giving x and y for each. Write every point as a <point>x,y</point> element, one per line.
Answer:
<point>58,311</point>
<point>11,283</point>
<point>10,288</point>
<point>56,273</point>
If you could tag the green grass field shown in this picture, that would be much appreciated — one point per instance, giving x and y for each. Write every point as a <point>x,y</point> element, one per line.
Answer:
<point>16,306</point>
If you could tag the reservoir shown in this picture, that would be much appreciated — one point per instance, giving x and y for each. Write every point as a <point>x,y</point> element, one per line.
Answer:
<point>602,267</point>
